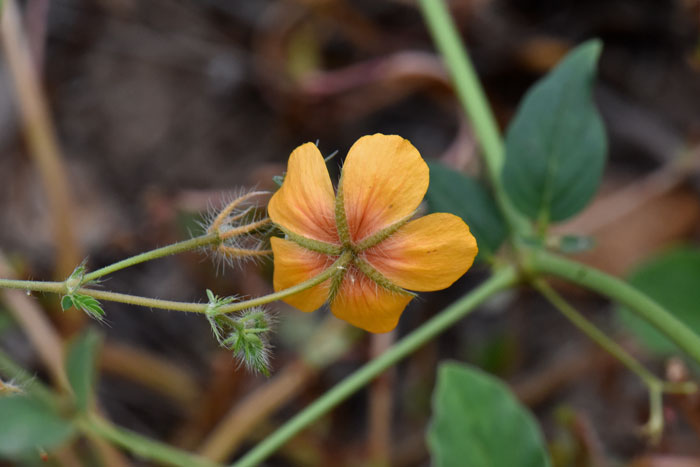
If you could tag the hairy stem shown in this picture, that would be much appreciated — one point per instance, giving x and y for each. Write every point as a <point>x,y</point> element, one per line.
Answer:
<point>501,280</point>
<point>179,247</point>
<point>60,288</point>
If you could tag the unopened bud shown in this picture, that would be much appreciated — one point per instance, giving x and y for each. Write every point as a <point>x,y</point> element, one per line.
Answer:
<point>240,230</point>
<point>245,334</point>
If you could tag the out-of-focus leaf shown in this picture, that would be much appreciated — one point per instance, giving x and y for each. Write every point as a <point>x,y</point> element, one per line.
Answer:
<point>454,192</point>
<point>80,366</point>
<point>673,280</point>
<point>304,54</point>
<point>26,424</point>
<point>478,422</point>
<point>6,321</point>
<point>556,144</point>
<point>570,244</point>
<point>66,302</point>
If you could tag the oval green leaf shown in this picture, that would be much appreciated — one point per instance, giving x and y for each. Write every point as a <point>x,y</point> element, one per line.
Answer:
<point>453,192</point>
<point>478,422</point>
<point>80,366</point>
<point>28,424</point>
<point>673,280</point>
<point>556,144</point>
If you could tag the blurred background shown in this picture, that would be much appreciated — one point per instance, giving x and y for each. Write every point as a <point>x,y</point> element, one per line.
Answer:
<point>155,110</point>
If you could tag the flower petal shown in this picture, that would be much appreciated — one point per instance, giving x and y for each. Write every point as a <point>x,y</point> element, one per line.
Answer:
<point>293,265</point>
<point>384,180</point>
<point>426,254</point>
<point>305,203</point>
<point>367,305</point>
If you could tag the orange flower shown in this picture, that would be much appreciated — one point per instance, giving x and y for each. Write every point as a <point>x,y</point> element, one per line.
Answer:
<point>364,233</point>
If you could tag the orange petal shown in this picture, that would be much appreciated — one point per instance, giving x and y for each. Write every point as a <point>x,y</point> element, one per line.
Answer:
<point>293,265</point>
<point>426,254</point>
<point>384,180</point>
<point>305,204</point>
<point>367,305</point>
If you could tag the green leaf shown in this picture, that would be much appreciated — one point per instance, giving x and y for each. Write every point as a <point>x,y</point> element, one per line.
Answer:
<point>89,305</point>
<point>66,302</point>
<point>453,192</point>
<point>211,296</point>
<point>556,144</point>
<point>28,424</point>
<point>673,280</point>
<point>80,366</point>
<point>478,422</point>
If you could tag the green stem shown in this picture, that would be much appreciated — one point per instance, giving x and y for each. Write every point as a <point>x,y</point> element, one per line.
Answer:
<point>34,286</point>
<point>597,335</point>
<point>655,425</point>
<point>655,385</point>
<point>139,445</point>
<point>501,280</point>
<point>341,262</point>
<point>620,291</point>
<point>168,250</point>
<point>60,288</point>
<point>473,99</point>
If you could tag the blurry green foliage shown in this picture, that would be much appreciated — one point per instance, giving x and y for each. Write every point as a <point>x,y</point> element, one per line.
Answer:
<point>80,367</point>
<point>27,424</point>
<point>673,280</point>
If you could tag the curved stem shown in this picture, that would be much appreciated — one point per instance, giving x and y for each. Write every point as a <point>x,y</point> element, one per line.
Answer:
<point>501,280</point>
<point>179,247</point>
<point>655,385</point>
<point>590,329</point>
<point>621,292</point>
<point>473,99</point>
<point>139,445</point>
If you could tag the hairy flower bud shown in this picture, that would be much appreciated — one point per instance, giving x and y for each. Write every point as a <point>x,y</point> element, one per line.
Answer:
<point>246,333</point>
<point>242,232</point>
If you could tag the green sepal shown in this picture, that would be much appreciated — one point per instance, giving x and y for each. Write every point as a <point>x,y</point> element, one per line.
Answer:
<point>382,234</point>
<point>379,278</point>
<point>77,277</point>
<point>310,244</point>
<point>341,220</point>
<point>336,281</point>
<point>278,180</point>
